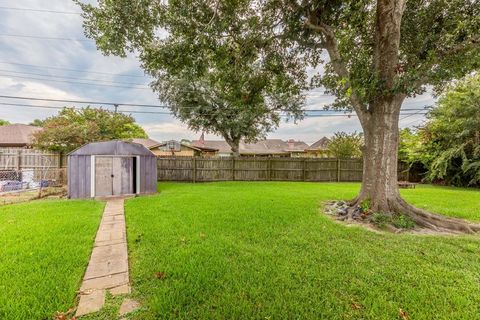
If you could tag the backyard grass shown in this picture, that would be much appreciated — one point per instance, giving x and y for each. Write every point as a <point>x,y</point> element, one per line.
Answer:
<point>44,250</point>
<point>244,250</point>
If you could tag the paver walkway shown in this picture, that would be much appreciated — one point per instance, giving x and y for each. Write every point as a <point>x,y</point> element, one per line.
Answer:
<point>108,266</point>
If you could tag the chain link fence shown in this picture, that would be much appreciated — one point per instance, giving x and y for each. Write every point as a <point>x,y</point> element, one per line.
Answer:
<point>31,179</point>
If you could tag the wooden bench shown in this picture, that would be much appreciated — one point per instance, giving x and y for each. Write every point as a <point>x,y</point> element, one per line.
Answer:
<point>406,185</point>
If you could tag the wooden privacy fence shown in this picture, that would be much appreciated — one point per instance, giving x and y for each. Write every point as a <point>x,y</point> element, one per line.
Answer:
<point>17,158</point>
<point>261,169</point>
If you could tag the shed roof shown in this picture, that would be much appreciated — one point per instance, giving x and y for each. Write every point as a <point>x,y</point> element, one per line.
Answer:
<point>17,135</point>
<point>112,148</point>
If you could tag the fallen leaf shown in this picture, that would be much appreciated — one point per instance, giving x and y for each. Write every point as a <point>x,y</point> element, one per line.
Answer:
<point>160,275</point>
<point>403,314</point>
<point>356,306</point>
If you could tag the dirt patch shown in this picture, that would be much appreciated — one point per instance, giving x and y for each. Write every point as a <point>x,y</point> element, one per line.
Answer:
<point>30,195</point>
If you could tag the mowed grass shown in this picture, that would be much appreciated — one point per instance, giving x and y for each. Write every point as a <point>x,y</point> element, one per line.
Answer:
<point>454,202</point>
<point>44,250</point>
<point>245,250</point>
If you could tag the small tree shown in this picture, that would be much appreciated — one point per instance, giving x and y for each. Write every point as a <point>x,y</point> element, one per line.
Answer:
<point>220,67</point>
<point>346,146</point>
<point>37,123</point>
<point>451,137</point>
<point>3,122</point>
<point>72,128</point>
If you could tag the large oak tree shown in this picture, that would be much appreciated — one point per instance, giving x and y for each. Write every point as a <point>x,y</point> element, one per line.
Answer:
<point>379,53</point>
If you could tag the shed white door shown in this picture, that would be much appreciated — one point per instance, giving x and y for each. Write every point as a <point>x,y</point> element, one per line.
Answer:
<point>113,176</point>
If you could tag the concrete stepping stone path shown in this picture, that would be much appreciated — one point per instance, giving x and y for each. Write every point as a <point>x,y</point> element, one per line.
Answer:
<point>108,266</point>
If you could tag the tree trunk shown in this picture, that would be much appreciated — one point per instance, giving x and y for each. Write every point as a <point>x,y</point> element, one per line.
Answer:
<point>235,147</point>
<point>380,162</point>
<point>380,155</point>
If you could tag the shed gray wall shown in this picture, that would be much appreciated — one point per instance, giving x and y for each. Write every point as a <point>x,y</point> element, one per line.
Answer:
<point>148,174</point>
<point>79,176</point>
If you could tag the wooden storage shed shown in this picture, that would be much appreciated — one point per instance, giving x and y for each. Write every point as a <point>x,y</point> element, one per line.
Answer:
<point>111,168</point>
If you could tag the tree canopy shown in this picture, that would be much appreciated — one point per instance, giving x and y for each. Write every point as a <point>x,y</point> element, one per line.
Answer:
<point>449,143</point>
<point>346,145</point>
<point>218,65</point>
<point>37,123</point>
<point>72,128</point>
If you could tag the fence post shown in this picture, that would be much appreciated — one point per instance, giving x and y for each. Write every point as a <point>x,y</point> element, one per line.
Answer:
<point>233,168</point>
<point>269,169</point>
<point>304,176</point>
<point>19,159</point>
<point>338,169</point>
<point>194,170</point>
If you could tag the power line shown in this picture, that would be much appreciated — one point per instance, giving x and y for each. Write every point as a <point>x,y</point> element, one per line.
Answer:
<point>44,38</point>
<point>76,108</point>
<point>152,112</point>
<point>74,78</point>
<point>68,69</point>
<point>85,102</point>
<point>418,112</point>
<point>130,104</point>
<point>39,10</point>
<point>76,82</point>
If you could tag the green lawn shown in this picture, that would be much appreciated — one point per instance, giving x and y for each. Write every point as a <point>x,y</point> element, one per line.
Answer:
<point>44,250</point>
<point>243,250</point>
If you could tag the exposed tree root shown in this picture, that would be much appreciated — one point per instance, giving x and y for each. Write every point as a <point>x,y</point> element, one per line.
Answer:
<point>422,218</point>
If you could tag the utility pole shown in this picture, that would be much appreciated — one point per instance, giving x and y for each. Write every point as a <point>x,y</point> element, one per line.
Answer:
<point>116,107</point>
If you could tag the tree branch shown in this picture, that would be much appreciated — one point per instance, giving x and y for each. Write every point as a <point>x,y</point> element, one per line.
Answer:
<point>330,43</point>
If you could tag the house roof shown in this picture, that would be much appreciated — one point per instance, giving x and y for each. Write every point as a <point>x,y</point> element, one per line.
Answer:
<point>293,145</point>
<point>215,145</point>
<point>186,146</point>
<point>268,146</point>
<point>147,143</point>
<point>321,144</point>
<point>17,135</point>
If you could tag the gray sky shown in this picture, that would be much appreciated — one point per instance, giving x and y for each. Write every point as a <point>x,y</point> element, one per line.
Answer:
<point>21,74</point>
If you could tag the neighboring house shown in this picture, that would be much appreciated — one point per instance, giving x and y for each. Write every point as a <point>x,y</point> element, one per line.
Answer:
<point>17,135</point>
<point>318,149</point>
<point>16,151</point>
<point>296,148</point>
<point>173,148</point>
<point>262,148</point>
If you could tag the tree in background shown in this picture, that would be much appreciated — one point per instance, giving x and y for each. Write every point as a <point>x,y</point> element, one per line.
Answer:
<point>451,137</point>
<point>38,123</point>
<point>379,53</point>
<point>346,146</point>
<point>220,67</point>
<point>72,128</point>
<point>3,122</point>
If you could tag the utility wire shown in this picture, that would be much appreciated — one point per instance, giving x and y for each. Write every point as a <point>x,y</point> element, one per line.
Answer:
<point>73,70</point>
<point>155,112</point>
<point>76,82</point>
<point>139,105</point>
<point>74,78</point>
<point>42,37</point>
<point>85,102</point>
<point>39,10</point>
